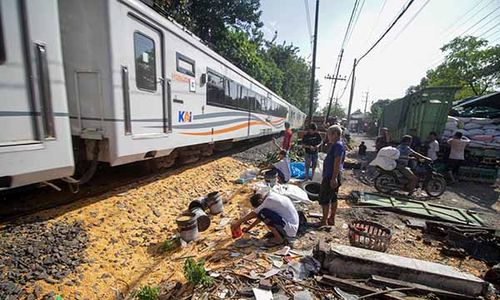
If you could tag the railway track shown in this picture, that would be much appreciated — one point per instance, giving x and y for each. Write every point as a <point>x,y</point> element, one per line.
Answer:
<point>31,199</point>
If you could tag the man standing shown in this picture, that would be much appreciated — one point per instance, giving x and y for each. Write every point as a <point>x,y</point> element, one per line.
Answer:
<point>457,148</point>
<point>287,139</point>
<point>332,167</point>
<point>311,142</point>
<point>433,146</point>
<point>277,212</point>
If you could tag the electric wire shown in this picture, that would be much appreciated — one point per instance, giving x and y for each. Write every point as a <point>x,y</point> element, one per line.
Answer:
<point>460,20</point>
<point>482,19</point>
<point>355,21</point>
<point>484,25</point>
<point>411,20</point>
<point>350,23</point>
<point>376,21</point>
<point>308,21</point>
<point>494,26</point>
<point>410,2</point>
<point>489,36</point>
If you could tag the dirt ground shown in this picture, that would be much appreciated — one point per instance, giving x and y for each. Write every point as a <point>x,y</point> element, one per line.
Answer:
<point>127,226</point>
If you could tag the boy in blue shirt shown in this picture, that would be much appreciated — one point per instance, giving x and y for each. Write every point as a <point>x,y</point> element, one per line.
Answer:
<point>332,168</point>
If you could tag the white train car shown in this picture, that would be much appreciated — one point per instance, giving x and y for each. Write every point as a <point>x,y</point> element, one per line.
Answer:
<point>35,138</point>
<point>145,86</point>
<point>135,86</point>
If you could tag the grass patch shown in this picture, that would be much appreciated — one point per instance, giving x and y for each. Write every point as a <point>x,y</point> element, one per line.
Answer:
<point>146,293</point>
<point>196,274</point>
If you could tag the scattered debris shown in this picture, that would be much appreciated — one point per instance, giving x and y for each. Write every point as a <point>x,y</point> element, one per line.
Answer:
<point>419,208</point>
<point>460,241</point>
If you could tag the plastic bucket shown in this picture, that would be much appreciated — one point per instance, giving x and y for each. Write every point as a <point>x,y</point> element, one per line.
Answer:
<point>197,203</point>
<point>271,178</point>
<point>202,218</point>
<point>188,227</point>
<point>214,203</point>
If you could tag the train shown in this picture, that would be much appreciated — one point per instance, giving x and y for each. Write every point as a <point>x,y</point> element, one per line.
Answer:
<point>113,81</point>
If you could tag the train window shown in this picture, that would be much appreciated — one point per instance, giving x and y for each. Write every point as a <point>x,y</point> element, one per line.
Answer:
<point>231,93</point>
<point>2,45</point>
<point>252,100</point>
<point>185,65</point>
<point>243,101</point>
<point>215,89</point>
<point>145,64</point>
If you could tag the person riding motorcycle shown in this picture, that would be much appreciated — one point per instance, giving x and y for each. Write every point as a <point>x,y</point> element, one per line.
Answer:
<point>405,154</point>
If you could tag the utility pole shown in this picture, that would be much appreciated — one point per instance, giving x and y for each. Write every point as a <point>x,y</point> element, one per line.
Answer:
<point>366,101</point>
<point>352,93</point>
<point>313,67</point>
<point>334,85</point>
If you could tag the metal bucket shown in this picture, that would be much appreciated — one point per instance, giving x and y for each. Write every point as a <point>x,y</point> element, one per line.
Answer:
<point>188,227</point>
<point>197,203</point>
<point>201,218</point>
<point>214,203</point>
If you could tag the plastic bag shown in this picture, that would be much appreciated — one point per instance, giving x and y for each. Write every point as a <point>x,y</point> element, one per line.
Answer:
<point>298,170</point>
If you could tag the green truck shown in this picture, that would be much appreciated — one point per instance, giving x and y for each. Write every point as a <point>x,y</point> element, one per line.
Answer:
<point>418,113</point>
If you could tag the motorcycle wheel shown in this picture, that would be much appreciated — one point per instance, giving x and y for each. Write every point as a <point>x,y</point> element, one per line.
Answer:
<point>435,186</point>
<point>383,183</point>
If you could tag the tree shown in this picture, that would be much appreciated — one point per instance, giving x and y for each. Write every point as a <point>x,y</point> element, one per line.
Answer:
<point>376,108</point>
<point>233,29</point>
<point>210,19</point>
<point>470,64</point>
<point>335,111</point>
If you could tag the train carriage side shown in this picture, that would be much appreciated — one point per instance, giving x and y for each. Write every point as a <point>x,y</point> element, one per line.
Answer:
<point>148,86</point>
<point>35,140</point>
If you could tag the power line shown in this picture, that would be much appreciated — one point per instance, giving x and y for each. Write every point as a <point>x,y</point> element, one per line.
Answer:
<point>474,6</point>
<point>484,25</point>
<point>350,23</point>
<point>308,20</point>
<point>388,29</point>
<point>480,21</point>
<point>376,20</point>
<point>492,35</point>
<point>494,26</point>
<point>356,20</point>
<point>412,19</point>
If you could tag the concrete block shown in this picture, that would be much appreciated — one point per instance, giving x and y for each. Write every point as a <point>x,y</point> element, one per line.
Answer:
<point>351,262</point>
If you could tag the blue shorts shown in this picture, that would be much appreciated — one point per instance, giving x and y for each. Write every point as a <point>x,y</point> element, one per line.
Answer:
<point>311,159</point>
<point>272,219</point>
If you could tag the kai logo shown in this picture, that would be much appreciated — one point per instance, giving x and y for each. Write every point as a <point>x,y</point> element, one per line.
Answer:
<point>185,116</point>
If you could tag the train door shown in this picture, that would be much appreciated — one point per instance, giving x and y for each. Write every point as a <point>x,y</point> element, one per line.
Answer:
<point>148,107</point>
<point>17,115</point>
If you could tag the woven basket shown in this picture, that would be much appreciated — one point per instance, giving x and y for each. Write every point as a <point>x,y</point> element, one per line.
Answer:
<point>369,235</point>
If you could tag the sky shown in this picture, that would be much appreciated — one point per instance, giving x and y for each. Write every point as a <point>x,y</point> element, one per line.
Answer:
<point>399,60</point>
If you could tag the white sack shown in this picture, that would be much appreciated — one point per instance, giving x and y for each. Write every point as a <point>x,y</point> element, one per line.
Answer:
<point>386,158</point>
<point>482,121</point>
<point>451,125</point>
<point>471,125</point>
<point>464,120</point>
<point>491,126</point>
<point>477,131</point>
<point>295,193</point>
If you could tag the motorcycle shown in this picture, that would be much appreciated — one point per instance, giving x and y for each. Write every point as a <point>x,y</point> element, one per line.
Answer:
<point>433,183</point>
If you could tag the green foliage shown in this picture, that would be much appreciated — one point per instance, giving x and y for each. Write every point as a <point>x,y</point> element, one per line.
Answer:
<point>335,111</point>
<point>470,63</point>
<point>376,108</point>
<point>233,29</point>
<point>146,293</point>
<point>195,272</point>
<point>170,245</point>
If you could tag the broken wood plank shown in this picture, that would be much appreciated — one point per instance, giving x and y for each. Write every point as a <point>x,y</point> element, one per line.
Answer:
<point>394,283</point>
<point>358,287</point>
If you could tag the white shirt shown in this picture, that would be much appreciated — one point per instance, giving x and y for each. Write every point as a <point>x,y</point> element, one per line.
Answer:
<point>433,150</point>
<point>283,206</point>
<point>457,148</point>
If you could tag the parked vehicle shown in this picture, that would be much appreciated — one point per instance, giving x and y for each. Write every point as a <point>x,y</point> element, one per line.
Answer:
<point>429,180</point>
<point>418,113</point>
<point>113,81</point>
